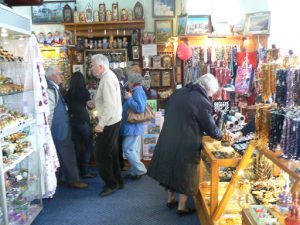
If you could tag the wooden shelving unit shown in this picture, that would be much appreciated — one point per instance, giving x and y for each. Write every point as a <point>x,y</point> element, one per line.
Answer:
<point>103,29</point>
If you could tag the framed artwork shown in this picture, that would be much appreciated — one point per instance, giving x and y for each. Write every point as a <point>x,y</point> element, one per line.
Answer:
<point>50,12</point>
<point>155,78</point>
<point>138,11</point>
<point>163,30</point>
<point>156,62</point>
<point>102,11</point>
<point>166,79</point>
<point>181,24</point>
<point>135,52</point>
<point>115,11</point>
<point>198,25</point>
<point>163,8</point>
<point>167,61</point>
<point>77,68</point>
<point>257,23</point>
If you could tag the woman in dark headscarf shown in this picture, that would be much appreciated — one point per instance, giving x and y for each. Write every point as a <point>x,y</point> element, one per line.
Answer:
<point>77,97</point>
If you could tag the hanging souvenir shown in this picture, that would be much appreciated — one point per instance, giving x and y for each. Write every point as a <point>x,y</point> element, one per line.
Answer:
<point>138,11</point>
<point>67,14</point>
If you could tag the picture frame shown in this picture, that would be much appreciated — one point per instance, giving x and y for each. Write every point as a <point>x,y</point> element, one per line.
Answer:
<point>166,61</point>
<point>163,8</point>
<point>156,62</point>
<point>50,12</point>
<point>155,78</point>
<point>166,79</point>
<point>198,25</point>
<point>102,12</point>
<point>77,68</point>
<point>135,52</point>
<point>138,11</point>
<point>115,11</point>
<point>181,24</point>
<point>163,30</point>
<point>257,23</point>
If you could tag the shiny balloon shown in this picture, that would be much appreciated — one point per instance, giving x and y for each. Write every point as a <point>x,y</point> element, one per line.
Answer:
<point>184,52</point>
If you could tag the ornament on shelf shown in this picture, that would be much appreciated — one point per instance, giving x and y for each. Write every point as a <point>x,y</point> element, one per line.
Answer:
<point>67,13</point>
<point>124,15</point>
<point>89,13</point>
<point>102,12</point>
<point>129,14</point>
<point>138,11</point>
<point>108,15</point>
<point>76,15</point>
<point>96,16</point>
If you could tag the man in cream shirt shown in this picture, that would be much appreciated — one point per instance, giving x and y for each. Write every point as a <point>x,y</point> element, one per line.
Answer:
<point>109,112</point>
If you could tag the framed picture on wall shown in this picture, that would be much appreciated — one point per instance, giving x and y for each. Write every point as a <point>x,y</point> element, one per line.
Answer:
<point>163,30</point>
<point>50,12</point>
<point>135,52</point>
<point>77,68</point>
<point>198,25</point>
<point>181,24</point>
<point>163,8</point>
<point>257,23</point>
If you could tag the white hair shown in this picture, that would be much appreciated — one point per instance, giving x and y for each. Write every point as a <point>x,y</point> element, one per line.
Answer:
<point>209,83</point>
<point>50,71</point>
<point>100,59</point>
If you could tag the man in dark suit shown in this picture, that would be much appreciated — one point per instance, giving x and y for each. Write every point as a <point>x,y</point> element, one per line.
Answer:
<point>60,129</point>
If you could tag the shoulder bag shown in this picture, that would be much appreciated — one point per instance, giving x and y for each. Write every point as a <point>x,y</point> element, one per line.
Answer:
<point>147,115</point>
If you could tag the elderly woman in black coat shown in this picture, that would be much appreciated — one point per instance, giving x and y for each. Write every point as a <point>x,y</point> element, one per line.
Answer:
<point>175,163</point>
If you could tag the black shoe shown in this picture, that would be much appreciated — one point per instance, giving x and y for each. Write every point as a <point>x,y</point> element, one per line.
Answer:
<point>88,175</point>
<point>108,191</point>
<point>134,177</point>
<point>172,205</point>
<point>185,212</point>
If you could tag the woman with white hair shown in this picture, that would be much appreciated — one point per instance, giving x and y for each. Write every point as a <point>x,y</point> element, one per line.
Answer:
<point>175,163</point>
<point>131,132</point>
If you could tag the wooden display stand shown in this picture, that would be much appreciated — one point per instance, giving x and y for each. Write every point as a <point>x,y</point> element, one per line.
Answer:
<point>210,212</point>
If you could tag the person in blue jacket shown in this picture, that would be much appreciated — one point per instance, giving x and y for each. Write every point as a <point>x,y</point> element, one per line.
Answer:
<point>131,132</point>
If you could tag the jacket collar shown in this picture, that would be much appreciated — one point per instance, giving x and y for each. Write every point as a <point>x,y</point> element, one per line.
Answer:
<point>198,88</point>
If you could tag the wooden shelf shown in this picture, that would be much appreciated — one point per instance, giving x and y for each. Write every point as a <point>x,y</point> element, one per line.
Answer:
<point>102,29</point>
<point>158,68</point>
<point>289,166</point>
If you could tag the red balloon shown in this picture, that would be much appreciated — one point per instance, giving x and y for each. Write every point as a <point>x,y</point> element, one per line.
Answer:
<point>184,52</point>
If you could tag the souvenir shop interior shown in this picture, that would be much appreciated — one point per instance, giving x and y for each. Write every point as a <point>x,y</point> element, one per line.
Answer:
<point>247,46</point>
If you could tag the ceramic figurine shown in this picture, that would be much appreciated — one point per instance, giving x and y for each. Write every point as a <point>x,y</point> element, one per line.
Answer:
<point>41,38</point>
<point>49,38</point>
<point>56,38</point>
<point>125,43</point>
<point>108,15</point>
<point>124,14</point>
<point>99,44</point>
<point>105,43</point>
<point>96,16</point>
<point>129,14</point>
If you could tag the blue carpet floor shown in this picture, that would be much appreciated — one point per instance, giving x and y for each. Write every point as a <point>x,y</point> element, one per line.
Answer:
<point>141,202</point>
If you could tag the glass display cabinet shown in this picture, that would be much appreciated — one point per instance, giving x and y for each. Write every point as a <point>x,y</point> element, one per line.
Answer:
<point>20,183</point>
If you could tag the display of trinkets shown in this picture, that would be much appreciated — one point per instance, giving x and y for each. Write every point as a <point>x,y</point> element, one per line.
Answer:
<point>224,154</point>
<point>166,79</point>
<point>6,56</point>
<point>294,211</point>
<point>155,78</point>
<point>9,118</point>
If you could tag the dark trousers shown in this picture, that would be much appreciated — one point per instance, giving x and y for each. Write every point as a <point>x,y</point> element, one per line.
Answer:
<point>83,140</point>
<point>107,155</point>
<point>67,159</point>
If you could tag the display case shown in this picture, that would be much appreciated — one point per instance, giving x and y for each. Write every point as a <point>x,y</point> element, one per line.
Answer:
<point>220,168</point>
<point>117,59</point>
<point>20,183</point>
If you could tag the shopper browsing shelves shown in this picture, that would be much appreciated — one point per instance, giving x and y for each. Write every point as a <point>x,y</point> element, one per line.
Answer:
<point>60,129</point>
<point>109,113</point>
<point>175,163</point>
